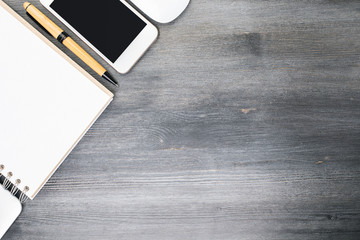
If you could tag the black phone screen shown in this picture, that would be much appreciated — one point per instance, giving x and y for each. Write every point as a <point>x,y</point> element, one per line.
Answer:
<point>107,24</point>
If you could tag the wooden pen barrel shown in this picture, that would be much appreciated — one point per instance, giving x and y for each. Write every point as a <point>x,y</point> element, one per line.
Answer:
<point>78,51</point>
<point>58,33</point>
<point>43,20</point>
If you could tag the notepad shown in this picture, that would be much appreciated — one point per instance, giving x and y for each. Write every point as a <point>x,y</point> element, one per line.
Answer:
<point>47,103</point>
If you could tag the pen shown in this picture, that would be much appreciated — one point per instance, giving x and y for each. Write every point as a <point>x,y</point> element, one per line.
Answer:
<point>64,38</point>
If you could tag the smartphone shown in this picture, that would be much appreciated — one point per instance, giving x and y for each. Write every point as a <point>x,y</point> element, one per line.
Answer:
<point>112,28</point>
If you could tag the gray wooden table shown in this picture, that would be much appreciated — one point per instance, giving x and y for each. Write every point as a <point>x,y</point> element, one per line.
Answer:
<point>241,122</point>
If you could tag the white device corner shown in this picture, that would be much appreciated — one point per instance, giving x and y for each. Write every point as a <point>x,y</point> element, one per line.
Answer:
<point>162,11</point>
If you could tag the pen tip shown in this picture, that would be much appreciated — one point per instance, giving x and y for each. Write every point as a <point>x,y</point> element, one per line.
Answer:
<point>108,77</point>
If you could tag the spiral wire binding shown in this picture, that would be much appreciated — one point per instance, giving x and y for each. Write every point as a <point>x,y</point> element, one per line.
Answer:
<point>7,182</point>
<point>23,198</point>
<point>13,188</point>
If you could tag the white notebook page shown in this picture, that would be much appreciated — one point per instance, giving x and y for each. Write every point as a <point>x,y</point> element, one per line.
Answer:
<point>46,105</point>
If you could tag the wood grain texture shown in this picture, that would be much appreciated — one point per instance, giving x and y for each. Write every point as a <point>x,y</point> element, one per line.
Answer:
<point>241,122</point>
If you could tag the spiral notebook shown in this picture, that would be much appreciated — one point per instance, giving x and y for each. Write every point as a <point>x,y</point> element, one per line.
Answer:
<point>47,103</point>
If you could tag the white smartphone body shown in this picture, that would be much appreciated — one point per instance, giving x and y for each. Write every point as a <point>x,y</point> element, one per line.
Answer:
<point>112,28</point>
